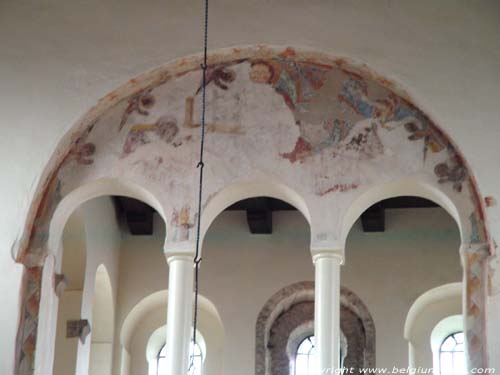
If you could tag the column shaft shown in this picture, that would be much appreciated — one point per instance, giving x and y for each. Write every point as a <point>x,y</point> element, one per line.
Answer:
<point>327,312</point>
<point>179,313</point>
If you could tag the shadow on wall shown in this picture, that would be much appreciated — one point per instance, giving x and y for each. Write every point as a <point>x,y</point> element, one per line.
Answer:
<point>103,323</point>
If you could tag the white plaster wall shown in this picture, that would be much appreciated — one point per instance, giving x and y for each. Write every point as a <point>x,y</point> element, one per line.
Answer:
<point>208,326</point>
<point>103,309</point>
<point>100,358</point>
<point>66,350</point>
<point>429,322</point>
<point>390,271</point>
<point>91,238</point>
<point>154,320</point>
<point>74,253</point>
<point>57,58</point>
<point>103,324</point>
<point>143,271</point>
<point>103,238</point>
<point>240,271</point>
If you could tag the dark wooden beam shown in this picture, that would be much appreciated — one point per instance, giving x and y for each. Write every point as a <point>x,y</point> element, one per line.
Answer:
<point>260,216</point>
<point>407,202</point>
<point>373,219</point>
<point>273,203</point>
<point>259,210</point>
<point>138,215</point>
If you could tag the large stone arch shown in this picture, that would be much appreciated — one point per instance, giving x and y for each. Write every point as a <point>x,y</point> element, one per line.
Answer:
<point>325,127</point>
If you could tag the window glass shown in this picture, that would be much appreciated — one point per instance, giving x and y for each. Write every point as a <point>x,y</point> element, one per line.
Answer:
<point>195,360</point>
<point>451,355</point>
<point>304,359</point>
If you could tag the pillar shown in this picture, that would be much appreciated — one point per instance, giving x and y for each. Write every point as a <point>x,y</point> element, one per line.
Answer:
<point>179,311</point>
<point>475,281</point>
<point>327,310</point>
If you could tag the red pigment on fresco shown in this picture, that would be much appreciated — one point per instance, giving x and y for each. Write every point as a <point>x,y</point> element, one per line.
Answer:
<point>300,151</point>
<point>339,187</point>
<point>288,53</point>
<point>490,201</point>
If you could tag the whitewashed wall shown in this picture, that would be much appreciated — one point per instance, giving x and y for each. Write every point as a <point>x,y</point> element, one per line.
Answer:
<point>97,231</point>
<point>69,304</point>
<point>240,271</point>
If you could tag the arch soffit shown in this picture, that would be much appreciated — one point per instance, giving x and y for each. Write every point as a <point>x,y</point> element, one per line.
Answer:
<point>152,302</point>
<point>255,187</point>
<point>401,187</point>
<point>433,306</point>
<point>53,229</point>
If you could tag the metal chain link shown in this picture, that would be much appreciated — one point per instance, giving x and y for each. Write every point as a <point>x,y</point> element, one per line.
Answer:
<point>200,166</point>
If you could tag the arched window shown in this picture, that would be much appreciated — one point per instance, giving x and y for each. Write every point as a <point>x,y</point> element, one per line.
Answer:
<point>195,360</point>
<point>287,320</point>
<point>451,355</point>
<point>305,363</point>
<point>304,359</point>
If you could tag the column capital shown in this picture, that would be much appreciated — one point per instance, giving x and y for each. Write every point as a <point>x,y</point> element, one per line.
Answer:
<point>321,253</point>
<point>179,250</point>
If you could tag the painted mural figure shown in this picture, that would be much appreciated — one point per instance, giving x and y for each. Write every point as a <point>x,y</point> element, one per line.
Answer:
<point>221,75</point>
<point>83,154</point>
<point>296,83</point>
<point>304,88</point>
<point>451,171</point>
<point>164,129</point>
<point>181,221</point>
<point>140,104</point>
<point>432,141</point>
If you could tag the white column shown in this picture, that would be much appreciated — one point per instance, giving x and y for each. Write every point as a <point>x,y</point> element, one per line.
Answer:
<point>327,310</point>
<point>179,312</point>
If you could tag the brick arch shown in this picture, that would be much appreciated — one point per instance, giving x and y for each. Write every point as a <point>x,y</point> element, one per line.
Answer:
<point>291,309</point>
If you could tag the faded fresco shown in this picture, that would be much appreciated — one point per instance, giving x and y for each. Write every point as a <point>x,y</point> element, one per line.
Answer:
<point>327,129</point>
<point>318,128</point>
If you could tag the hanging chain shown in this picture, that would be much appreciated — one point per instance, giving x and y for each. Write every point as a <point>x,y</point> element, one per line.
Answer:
<point>200,166</point>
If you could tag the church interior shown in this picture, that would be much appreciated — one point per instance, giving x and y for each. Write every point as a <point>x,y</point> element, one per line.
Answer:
<point>255,187</point>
